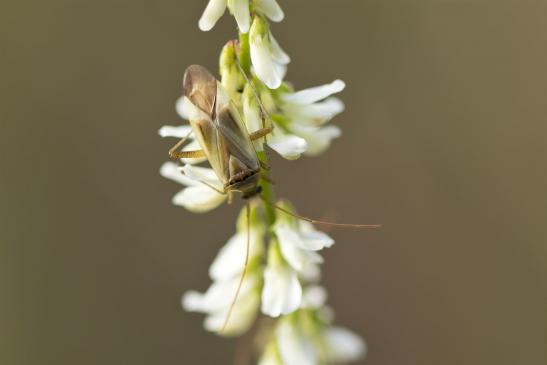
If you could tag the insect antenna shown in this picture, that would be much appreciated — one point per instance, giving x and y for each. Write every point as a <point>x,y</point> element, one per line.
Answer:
<point>315,221</point>
<point>245,264</point>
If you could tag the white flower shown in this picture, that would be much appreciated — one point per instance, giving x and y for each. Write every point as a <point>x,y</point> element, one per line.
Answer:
<point>230,258</point>
<point>282,292</point>
<point>314,297</point>
<point>216,302</point>
<point>215,9</point>
<point>199,195</point>
<point>295,346</point>
<point>240,10</point>
<point>270,8</point>
<point>300,260</point>
<point>268,59</point>
<point>181,108</point>
<point>301,234</point>
<point>318,139</point>
<point>287,145</point>
<point>306,113</point>
<point>342,345</point>
<point>314,94</point>
<point>303,339</point>
<point>299,241</point>
<point>226,273</point>
<point>293,253</point>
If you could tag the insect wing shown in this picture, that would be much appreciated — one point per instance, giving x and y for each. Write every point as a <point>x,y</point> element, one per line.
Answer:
<point>207,135</point>
<point>218,126</point>
<point>235,145</point>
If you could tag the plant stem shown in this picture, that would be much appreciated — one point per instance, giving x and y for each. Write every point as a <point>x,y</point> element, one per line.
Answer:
<point>267,192</point>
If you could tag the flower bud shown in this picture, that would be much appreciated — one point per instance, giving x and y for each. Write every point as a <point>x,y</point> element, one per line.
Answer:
<point>231,78</point>
<point>251,114</point>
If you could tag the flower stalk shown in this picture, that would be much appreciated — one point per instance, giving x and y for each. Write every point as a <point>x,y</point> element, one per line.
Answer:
<point>273,260</point>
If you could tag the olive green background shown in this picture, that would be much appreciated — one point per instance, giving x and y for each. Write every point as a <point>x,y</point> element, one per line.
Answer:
<point>444,144</point>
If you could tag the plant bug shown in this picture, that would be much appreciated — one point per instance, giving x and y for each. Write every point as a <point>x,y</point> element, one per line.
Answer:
<point>221,133</point>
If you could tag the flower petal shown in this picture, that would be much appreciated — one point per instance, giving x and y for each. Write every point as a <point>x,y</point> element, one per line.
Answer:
<point>181,109</point>
<point>311,95</point>
<point>316,113</point>
<point>230,259</point>
<point>180,131</point>
<point>263,64</point>
<point>308,238</point>
<point>299,259</point>
<point>311,272</point>
<point>217,300</point>
<point>281,69</point>
<point>343,345</point>
<point>218,296</point>
<point>278,53</point>
<point>287,145</point>
<point>211,14</point>
<point>294,347</point>
<point>292,246</point>
<point>270,8</point>
<point>318,139</point>
<point>241,318</point>
<point>261,54</point>
<point>171,171</point>
<point>314,297</point>
<point>312,239</point>
<point>198,199</point>
<point>204,175</point>
<point>240,8</point>
<point>282,292</point>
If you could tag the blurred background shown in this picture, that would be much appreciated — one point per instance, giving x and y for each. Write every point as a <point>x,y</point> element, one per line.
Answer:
<point>444,144</point>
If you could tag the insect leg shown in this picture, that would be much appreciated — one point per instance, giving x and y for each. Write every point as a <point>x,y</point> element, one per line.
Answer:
<point>177,146</point>
<point>245,264</point>
<point>187,154</point>
<point>260,133</point>
<point>264,165</point>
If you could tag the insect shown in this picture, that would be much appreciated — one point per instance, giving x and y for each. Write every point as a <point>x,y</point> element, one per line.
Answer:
<point>221,133</point>
<point>227,145</point>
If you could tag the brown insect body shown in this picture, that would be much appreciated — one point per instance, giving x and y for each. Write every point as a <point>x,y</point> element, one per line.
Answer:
<point>221,133</point>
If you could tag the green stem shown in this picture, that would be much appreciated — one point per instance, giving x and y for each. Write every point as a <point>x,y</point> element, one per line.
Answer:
<point>267,191</point>
<point>245,53</point>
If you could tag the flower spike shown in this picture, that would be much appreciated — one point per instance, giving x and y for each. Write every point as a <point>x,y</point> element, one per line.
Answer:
<point>271,265</point>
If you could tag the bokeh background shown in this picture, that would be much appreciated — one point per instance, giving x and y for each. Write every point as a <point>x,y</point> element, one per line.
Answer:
<point>444,144</point>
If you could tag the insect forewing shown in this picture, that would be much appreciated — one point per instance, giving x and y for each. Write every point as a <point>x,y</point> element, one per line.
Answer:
<point>237,147</point>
